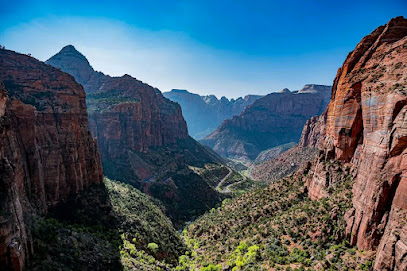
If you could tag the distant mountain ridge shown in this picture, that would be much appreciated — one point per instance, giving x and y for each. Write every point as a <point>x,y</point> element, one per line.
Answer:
<point>273,120</point>
<point>204,114</point>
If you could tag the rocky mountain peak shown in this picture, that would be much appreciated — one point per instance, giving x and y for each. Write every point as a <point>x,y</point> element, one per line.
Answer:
<point>73,62</point>
<point>224,99</point>
<point>205,113</point>
<point>70,49</point>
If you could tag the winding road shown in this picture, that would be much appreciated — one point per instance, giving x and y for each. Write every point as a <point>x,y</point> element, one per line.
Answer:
<point>226,190</point>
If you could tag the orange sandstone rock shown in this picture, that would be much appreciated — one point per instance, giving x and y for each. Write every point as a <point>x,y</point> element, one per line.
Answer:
<point>366,126</point>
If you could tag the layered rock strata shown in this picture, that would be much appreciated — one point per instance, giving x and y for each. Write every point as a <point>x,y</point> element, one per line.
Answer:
<point>125,114</point>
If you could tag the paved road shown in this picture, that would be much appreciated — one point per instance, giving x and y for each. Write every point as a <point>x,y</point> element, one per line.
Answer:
<point>220,183</point>
<point>226,190</point>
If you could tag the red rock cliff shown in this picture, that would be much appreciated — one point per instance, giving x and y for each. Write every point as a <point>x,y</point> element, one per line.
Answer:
<point>366,127</point>
<point>46,151</point>
<point>141,118</point>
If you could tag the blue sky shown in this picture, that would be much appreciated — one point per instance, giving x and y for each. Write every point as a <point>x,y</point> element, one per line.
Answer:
<point>226,48</point>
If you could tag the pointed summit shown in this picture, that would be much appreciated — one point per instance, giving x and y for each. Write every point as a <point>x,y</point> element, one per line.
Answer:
<point>73,62</point>
<point>69,48</point>
<point>285,90</point>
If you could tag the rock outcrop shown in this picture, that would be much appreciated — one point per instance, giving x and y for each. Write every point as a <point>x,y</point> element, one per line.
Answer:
<point>366,129</point>
<point>46,151</point>
<point>204,114</point>
<point>283,164</point>
<point>273,120</point>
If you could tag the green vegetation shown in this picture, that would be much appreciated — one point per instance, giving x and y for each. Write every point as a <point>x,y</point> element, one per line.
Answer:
<point>174,177</point>
<point>398,65</point>
<point>276,228</point>
<point>283,165</point>
<point>60,245</point>
<point>142,221</point>
<point>226,180</point>
<point>153,247</point>
<point>233,178</point>
<point>105,101</point>
<point>212,173</point>
<point>112,226</point>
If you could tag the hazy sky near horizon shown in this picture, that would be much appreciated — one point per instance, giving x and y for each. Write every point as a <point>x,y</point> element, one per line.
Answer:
<point>226,48</point>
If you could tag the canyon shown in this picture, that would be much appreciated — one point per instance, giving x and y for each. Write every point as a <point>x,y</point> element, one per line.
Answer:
<point>336,200</point>
<point>362,136</point>
<point>364,126</point>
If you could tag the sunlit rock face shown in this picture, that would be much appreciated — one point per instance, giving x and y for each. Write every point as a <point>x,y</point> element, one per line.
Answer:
<point>73,62</point>
<point>143,138</point>
<point>365,126</point>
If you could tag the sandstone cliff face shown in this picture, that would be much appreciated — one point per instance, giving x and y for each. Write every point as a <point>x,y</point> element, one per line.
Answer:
<point>46,151</point>
<point>295,158</point>
<point>140,119</point>
<point>366,128</point>
<point>273,120</point>
<point>143,140</point>
<point>204,114</point>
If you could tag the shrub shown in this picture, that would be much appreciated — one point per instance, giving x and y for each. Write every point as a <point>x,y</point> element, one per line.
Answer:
<point>212,267</point>
<point>252,254</point>
<point>153,247</point>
